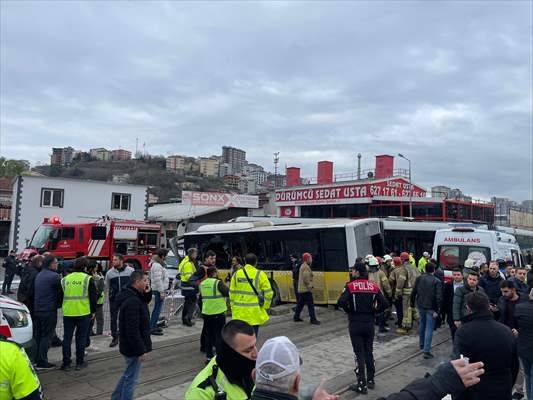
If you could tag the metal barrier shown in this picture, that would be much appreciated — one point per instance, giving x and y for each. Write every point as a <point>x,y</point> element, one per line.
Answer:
<point>171,312</point>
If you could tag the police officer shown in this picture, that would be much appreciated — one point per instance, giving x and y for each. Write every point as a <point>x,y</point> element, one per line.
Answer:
<point>17,377</point>
<point>214,307</point>
<point>250,294</point>
<point>228,376</point>
<point>79,305</point>
<point>186,268</point>
<point>362,299</point>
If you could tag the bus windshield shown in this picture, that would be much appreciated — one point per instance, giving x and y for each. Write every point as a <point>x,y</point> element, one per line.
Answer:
<point>42,235</point>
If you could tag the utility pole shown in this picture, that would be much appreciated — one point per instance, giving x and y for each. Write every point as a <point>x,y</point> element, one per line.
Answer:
<point>358,166</point>
<point>276,161</point>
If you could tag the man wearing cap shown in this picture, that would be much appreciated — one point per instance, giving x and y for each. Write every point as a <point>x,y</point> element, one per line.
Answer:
<point>305,290</point>
<point>378,276</point>
<point>404,285</point>
<point>423,261</point>
<point>362,300</point>
<point>277,372</point>
<point>229,374</point>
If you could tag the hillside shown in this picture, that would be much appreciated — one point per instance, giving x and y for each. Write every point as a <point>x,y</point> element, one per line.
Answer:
<point>149,171</point>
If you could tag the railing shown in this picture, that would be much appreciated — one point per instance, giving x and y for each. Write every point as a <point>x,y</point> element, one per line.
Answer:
<point>354,176</point>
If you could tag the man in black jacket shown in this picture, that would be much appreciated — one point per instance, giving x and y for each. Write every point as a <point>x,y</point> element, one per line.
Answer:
<point>48,298</point>
<point>481,338</point>
<point>134,332</point>
<point>491,284</point>
<point>447,298</point>
<point>427,293</point>
<point>10,265</point>
<point>362,300</point>
<point>524,329</point>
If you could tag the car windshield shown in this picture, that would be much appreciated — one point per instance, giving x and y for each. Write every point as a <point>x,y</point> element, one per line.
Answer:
<point>171,261</point>
<point>42,235</point>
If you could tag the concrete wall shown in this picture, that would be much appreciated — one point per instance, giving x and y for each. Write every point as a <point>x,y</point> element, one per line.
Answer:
<point>83,201</point>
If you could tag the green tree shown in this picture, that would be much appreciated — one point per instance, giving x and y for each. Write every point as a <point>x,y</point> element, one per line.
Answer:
<point>10,168</point>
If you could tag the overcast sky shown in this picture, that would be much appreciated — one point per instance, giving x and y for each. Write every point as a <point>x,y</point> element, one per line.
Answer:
<point>448,84</point>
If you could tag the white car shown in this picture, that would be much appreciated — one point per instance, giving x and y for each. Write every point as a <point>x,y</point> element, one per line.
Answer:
<point>15,322</point>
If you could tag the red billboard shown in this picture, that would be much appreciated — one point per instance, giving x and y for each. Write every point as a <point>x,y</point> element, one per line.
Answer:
<point>339,194</point>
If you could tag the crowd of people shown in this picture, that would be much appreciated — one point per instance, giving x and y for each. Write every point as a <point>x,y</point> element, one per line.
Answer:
<point>488,309</point>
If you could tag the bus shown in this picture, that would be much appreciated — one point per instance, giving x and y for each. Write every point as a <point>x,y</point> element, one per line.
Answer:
<point>334,245</point>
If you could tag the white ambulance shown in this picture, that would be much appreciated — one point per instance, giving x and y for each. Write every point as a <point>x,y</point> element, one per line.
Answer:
<point>453,246</point>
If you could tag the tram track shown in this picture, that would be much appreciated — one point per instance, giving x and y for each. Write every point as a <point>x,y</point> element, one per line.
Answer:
<point>173,362</point>
<point>394,365</point>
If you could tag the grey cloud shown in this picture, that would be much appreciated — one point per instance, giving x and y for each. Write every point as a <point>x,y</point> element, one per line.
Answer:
<point>446,83</point>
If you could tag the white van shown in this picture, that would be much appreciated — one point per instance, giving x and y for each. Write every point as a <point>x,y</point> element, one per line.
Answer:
<point>453,246</point>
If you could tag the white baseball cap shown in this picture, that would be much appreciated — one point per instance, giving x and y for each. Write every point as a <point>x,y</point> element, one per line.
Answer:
<point>280,355</point>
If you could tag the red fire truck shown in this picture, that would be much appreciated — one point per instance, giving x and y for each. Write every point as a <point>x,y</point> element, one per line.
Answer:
<point>136,240</point>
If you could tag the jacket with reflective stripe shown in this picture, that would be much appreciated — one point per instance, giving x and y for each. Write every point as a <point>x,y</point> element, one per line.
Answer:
<point>76,294</point>
<point>17,378</point>
<point>186,269</point>
<point>244,301</point>
<point>201,389</point>
<point>212,300</point>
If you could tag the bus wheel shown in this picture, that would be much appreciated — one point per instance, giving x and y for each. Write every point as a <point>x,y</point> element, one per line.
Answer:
<point>134,263</point>
<point>276,297</point>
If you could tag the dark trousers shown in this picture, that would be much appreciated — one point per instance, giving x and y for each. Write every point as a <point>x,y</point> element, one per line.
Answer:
<point>381,320</point>
<point>296,294</point>
<point>99,316</point>
<point>113,310</point>
<point>8,278</point>
<point>81,326</point>
<point>362,338</point>
<point>213,325</point>
<point>452,326</point>
<point>156,312</point>
<point>189,304</point>
<point>305,299</point>
<point>398,304</point>
<point>44,327</point>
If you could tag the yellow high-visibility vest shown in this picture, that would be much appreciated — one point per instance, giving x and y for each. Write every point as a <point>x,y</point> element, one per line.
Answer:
<point>244,302</point>
<point>76,295</point>
<point>186,269</point>
<point>17,377</point>
<point>212,300</point>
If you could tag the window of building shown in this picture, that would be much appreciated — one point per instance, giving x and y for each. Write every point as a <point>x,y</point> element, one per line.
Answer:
<point>121,201</point>
<point>52,197</point>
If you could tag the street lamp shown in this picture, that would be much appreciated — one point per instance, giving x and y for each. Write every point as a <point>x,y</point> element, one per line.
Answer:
<point>410,186</point>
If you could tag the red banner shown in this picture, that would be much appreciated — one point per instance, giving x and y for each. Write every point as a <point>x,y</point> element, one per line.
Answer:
<point>335,194</point>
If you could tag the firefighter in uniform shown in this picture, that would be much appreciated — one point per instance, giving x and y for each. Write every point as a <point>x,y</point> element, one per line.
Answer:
<point>186,268</point>
<point>79,304</point>
<point>362,300</point>
<point>405,282</point>
<point>376,275</point>
<point>214,307</point>
<point>250,294</point>
<point>17,377</point>
<point>396,298</point>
